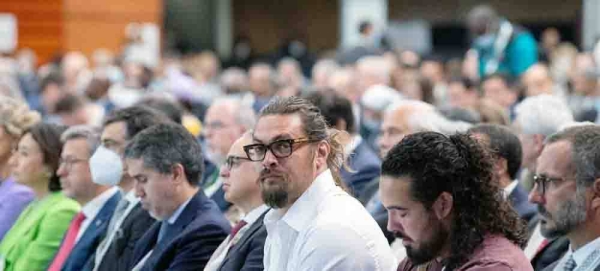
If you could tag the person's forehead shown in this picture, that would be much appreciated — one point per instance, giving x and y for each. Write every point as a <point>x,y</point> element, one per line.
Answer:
<point>115,131</point>
<point>395,190</point>
<point>219,112</point>
<point>396,118</point>
<point>555,159</point>
<point>75,146</point>
<point>271,126</point>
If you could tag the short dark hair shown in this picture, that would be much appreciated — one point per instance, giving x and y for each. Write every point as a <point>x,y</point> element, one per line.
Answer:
<point>507,79</point>
<point>464,81</point>
<point>459,165</point>
<point>333,107</point>
<point>162,146</point>
<point>47,136</point>
<point>136,118</point>
<point>68,104</point>
<point>503,143</point>
<point>363,26</point>
<point>585,151</point>
<point>171,109</point>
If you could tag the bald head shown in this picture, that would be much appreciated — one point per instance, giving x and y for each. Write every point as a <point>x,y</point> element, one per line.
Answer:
<point>372,70</point>
<point>481,18</point>
<point>537,80</point>
<point>260,79</point>
<point>240,176</point>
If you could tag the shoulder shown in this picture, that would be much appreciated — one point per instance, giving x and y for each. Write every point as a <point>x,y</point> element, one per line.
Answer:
<point>497,251</point>
<point>61,204</point>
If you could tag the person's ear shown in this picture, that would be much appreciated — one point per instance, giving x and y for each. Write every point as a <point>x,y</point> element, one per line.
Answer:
<point>178,173</point>
<point>595,194</point>
<point>322,152</point>
<point>442,207</point>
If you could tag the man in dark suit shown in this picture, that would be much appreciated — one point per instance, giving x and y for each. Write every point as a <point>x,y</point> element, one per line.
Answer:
<point>363,164</point>
<point>226,120</point>
<point>98,201</point>
<point>244,247</point>
<point>166,163</point>
<point>506,148</point>
<point>129,221</point>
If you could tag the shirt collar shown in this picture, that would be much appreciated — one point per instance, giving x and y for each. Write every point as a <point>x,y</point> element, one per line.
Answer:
<point>253,215</point>
<point>305,207</point>
<point>91,209</point>
<point>130,196</point>
<point>583,252</point>
<point>510,188</point>
<point>178,212</point>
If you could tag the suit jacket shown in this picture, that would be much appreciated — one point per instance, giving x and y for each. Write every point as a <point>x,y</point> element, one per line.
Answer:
<point>366,165</point>
<point>247,253</point>
<point>189,242</point>
<point>519,199</point>
<point>20,196</point>
<point>86,246</point>
<point>35,237</point>
<point>549,256</point>
<point>119,256</point>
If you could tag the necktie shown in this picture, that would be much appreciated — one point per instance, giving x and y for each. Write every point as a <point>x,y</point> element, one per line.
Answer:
<point>164,228</point>
<point>68,243</point>
<point>237,228</point>
<point>570,264</point>
<point>119,211</point>
<point>542,246</point>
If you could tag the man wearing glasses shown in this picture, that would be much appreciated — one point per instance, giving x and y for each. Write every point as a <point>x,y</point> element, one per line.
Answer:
<point>567,191</point>
<point>243,248</point>
<point>314,224</point>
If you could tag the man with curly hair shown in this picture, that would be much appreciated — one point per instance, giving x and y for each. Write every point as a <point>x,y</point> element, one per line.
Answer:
<point>443,204</point>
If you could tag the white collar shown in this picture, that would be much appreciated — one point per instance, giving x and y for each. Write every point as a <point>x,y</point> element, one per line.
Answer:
<point>306,205</point>
<point>253,215</point>
<point>130,196</point>
<point>91,209</point>
<point>510,188</point>
<point>583,252</point>
<point>352,145</point>
<point>178,212</point>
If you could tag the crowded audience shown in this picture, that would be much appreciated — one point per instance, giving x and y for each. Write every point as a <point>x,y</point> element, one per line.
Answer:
<point>376,158</point>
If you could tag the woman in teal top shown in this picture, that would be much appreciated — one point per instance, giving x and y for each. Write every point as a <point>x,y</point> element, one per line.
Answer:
<point>34,239</point>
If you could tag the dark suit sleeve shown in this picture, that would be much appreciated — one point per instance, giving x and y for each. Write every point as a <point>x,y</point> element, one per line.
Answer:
<point>254,260</point>
<point>195,249</point>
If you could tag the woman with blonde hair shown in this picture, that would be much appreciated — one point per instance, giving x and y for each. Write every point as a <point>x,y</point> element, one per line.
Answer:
<point>15,118</point>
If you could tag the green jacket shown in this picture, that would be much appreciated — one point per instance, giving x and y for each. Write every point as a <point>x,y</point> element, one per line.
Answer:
<point>34,239</point>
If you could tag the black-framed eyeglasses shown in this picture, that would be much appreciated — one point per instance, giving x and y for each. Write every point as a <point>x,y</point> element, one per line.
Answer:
<point>280,148</point>
<point>543,182</point>
<point>234,161</point>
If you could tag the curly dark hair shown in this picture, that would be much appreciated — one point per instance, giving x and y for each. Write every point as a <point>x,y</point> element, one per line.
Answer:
<point>457,164</point>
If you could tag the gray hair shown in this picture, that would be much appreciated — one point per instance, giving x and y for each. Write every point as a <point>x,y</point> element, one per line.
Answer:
<point>163,146</point>
<point>243,113</point>
<point>375,66</point>
<point>585,153</point>
<point>89,133</point>
<point>543,114</point>
<point>328,66</point>
<point>436,122</point>
<point>379,97</point>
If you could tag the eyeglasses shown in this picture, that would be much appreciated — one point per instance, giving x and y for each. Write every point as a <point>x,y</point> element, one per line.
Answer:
<point>280,148</point>
<point>68,163</point>
<point>544,181</point>
<point>234,161</point>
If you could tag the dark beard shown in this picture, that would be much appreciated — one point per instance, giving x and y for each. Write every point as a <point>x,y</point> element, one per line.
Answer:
<point>430,249</point>
<point>275,196</point>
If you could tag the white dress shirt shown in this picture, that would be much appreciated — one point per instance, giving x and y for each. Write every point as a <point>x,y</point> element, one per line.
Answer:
<point>586,257</point>
<point>219,255</point>
<point>534,243</point>
<point>325,229</point>
<point>510,188</point>
<point>91,209</point>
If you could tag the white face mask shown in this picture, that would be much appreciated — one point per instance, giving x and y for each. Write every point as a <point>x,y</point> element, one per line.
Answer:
<point>106,167</point>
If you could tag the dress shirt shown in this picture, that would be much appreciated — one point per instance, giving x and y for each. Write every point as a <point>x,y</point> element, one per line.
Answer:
<point>581,255</point>
<point>91,209</point>
<point>534,243</point>
<point>510,188</point>
<point>325,229</point>
<point>219,255</point>
<point>178,212</point>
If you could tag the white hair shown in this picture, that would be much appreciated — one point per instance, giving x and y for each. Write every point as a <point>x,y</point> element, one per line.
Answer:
<point>417,105</point>
<point>327,66</point>
<point>543,114</point>
<point>379,97</point>
<point>243,112</point>
<point>436,122</point>
<point>375,66</point>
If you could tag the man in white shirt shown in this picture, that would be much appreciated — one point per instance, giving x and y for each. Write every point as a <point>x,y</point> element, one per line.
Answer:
<point>98,201</point>
<point>507,152</point>
<point>314,225</point>
<point>244,247</point>
<point>566,190</point>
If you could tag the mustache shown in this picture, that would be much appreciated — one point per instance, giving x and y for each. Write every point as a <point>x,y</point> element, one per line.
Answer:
<point>400,235</point>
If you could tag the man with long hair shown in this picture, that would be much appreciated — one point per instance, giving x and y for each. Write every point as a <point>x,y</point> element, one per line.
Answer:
<point>443,204</point>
